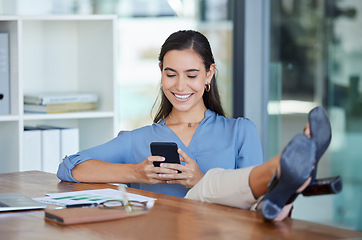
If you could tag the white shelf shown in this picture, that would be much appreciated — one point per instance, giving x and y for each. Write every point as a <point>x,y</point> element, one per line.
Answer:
<point>80,115</point>
<point>59,53</point>
<point>9,118</point>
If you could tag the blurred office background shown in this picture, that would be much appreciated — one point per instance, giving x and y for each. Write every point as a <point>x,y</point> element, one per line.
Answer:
<point>276,60</point>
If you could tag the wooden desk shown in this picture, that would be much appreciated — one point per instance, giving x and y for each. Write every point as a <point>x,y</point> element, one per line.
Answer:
<point>170,218</point>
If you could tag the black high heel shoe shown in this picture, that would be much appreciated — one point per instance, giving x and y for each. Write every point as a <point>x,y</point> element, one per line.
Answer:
<point>321,134</point>
<point>296,165</point>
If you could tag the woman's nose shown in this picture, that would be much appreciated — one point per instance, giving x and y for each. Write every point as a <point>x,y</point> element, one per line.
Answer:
<point>181,84</point>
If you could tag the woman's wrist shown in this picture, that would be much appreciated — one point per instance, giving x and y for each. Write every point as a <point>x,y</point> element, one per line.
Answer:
<point>131,173</point>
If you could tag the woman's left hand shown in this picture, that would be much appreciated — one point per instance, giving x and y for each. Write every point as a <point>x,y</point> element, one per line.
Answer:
<point>190,172</point>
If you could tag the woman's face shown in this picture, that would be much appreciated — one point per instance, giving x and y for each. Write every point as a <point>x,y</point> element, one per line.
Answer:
<point>183,79</point>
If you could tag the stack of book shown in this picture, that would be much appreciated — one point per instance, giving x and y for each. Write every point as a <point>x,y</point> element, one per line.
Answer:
<point>60,102</point>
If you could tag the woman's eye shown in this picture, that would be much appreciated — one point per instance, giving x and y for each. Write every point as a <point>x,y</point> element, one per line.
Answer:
<point>171,75</point>
<point>192,76</point>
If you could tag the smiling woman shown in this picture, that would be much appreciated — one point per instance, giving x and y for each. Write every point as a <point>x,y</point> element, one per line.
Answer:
<point>190,114</point>
<point>226,150</point>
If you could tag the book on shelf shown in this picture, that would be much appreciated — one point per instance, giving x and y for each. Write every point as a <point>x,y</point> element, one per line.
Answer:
<point>61,108</point>
<point>59,98</point>
<point>4,74</point>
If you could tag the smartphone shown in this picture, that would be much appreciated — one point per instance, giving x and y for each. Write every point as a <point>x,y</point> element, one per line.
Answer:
<point>167,150</point>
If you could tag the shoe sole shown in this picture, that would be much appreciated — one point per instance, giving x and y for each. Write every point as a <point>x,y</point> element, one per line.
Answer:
<point>321,133</point>
<point>296,165</point>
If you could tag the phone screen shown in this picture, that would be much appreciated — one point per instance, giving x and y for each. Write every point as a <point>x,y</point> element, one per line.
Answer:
<point>167,150</point>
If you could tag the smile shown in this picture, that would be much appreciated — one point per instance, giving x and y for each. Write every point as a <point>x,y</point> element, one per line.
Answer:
<point>182,97</point>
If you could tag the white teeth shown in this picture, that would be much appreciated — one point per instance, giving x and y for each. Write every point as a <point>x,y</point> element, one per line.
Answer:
<point>182,96</point>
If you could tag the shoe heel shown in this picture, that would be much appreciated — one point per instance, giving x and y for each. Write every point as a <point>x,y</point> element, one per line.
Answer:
<point>270,210</point>
<point>324,186</point>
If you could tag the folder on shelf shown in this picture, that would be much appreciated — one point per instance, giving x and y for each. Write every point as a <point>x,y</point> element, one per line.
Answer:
<point>69,141</point>
<point>50,138</point>
<point>45,146</point>
<point>4,74</point>
<point>32,159</point>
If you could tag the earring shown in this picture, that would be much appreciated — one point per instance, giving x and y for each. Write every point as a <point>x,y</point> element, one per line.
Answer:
<point>207,87</point>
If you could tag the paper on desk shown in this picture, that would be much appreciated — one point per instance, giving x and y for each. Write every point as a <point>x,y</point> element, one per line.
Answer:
<point>89,196</point>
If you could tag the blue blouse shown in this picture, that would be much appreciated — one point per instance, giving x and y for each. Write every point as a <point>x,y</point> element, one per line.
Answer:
<point>218,142</point>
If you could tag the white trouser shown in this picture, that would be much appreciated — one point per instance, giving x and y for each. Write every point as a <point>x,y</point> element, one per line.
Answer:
<point>224,186</point>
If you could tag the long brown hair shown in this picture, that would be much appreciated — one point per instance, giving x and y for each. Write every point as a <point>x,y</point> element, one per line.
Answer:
<point>189,39</point>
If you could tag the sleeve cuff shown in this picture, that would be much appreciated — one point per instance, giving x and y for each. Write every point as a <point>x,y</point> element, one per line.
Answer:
<point>66,166</point>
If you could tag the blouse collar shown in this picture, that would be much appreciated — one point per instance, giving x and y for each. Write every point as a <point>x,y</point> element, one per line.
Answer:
<point>208,114</point>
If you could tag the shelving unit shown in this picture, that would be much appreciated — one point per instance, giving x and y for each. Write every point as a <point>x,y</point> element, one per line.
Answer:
<point>59,53</point>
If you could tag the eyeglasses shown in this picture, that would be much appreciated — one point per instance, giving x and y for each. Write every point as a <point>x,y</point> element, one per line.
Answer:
<point>129,206</point>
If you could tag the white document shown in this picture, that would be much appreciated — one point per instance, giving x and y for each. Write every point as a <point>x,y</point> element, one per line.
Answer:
<point>32,150</point>
<point>50,149</point>
<point>89,196</point>
<point>69,141</point>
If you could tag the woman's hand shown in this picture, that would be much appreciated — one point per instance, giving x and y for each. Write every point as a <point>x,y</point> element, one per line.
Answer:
<point>190,173</point>
<point>146,173</point>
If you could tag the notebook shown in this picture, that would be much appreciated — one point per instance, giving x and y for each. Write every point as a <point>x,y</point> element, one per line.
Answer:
<point>67,216</point>
<point>17,201</point>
